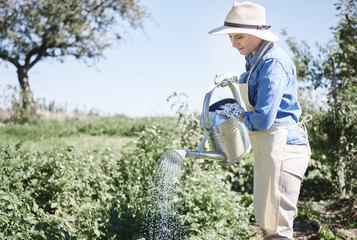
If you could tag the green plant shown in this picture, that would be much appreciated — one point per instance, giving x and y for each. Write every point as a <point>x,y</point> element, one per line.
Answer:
<point>58,193</point>
<point>318,174</point>
<point>306,212</point>
<point>189,129</point>
<point>212,210</point>
<point>240,175</point>
<point>327,234</point>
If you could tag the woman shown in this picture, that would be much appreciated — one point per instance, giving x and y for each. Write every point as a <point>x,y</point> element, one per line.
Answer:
<point>268,89</point>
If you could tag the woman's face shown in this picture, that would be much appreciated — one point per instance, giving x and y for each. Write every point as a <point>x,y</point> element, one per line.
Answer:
<point>245,43</point>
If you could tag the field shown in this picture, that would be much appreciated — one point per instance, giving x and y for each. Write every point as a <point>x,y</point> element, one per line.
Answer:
<point>90,177</point>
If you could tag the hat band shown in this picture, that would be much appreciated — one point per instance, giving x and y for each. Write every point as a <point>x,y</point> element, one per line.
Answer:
<point>258,27</point>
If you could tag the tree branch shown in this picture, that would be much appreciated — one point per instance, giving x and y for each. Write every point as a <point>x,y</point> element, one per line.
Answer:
<point>39,51</point>
<point>4,55</point>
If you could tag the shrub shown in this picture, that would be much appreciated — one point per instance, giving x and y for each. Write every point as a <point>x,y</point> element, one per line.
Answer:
<point>318,174</point>
<point>241,175</point>
<point>327,234</point>
<point>212,210</point>
<point>58,193</point>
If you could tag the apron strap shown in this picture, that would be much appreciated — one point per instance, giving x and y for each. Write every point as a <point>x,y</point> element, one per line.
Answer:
<point>260,55</point>
<point>243,87</point>
<point>306,119</point>
<point>303,129</point>
<point>302,126</point>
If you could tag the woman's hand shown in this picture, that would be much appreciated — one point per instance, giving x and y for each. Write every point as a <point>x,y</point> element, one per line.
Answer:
<point>223,79</point>
<point>231,110</point>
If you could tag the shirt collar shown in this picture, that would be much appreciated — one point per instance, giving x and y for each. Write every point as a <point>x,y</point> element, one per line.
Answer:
<point>251,59</point>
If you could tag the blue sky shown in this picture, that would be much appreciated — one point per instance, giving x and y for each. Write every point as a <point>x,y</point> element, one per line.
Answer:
<point>174,53</point>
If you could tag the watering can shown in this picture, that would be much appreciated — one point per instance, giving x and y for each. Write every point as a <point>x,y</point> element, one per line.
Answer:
<point>228,137</point>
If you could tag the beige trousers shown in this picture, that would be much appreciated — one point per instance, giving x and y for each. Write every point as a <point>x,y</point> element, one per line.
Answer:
<point>293,168</point>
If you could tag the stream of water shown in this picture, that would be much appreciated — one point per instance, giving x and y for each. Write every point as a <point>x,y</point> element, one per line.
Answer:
<point>164,221</point>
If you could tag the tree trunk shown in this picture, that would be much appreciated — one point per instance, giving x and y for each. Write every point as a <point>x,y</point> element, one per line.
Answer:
<point>341,165</point>
<point>334,81</point>
<point>341,177</point>
<point>26,96</point>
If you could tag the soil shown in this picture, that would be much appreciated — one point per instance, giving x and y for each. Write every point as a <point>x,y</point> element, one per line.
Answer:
<point>337,214</point>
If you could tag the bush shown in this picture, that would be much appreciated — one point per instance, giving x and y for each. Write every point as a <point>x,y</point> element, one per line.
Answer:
<point>57,193</point>
<point>318,174</point>
<point>241,175</point>
<point>212,210</point>
<point>327,234</point>
<point>333,166</point>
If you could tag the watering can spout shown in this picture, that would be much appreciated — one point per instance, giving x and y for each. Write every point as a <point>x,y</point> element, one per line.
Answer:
<point>206,154</point>
<point>174,156</point>
<point>178,156</point>
<point>181,154</point>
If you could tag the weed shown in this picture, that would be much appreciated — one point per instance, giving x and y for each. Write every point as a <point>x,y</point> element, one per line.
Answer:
<point>327,234</point>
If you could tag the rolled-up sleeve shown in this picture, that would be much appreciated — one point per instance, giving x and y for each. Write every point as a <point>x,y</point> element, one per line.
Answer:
<point>272,81</point>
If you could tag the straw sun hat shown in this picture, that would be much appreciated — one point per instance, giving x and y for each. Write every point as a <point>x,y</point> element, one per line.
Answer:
<point>249,18</point>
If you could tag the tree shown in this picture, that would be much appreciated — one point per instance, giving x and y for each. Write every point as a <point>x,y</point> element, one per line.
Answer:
<point>335,68</point>
<point>33,30</point>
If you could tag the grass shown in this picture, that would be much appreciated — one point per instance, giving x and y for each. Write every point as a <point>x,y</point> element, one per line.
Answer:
<point>85,133</point>
<point>82,143</point>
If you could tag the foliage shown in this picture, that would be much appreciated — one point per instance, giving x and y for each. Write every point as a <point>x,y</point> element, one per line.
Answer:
<point>212,209</point>
<point>327,234</point>
<point>189,129</point>
<point>65,193</point>
<point>334,68</point>
<point>57,193</point>
<point>345,36</point>
<point>319,172</point>
<point>317,175</point>
<point>306,212</point>
<point>138,165</point>
<point>79,28</point>
<point>240,175</point>
<point>341,128</point>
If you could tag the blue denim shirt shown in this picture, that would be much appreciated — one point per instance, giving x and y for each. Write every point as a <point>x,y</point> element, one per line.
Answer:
<point>273,92</point>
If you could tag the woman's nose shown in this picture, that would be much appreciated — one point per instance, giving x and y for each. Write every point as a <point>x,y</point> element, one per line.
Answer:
<point>235,43</point>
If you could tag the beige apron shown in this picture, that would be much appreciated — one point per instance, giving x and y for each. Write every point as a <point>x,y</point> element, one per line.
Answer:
<point>268,147</point>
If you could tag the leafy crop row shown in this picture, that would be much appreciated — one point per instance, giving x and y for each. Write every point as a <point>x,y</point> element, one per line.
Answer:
<point>66,193</point>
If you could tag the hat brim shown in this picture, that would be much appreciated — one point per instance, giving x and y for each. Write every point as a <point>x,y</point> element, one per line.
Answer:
<point>263,34</point>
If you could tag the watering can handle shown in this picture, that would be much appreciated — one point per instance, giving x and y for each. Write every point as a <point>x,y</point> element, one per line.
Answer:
<point>205,115</point>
